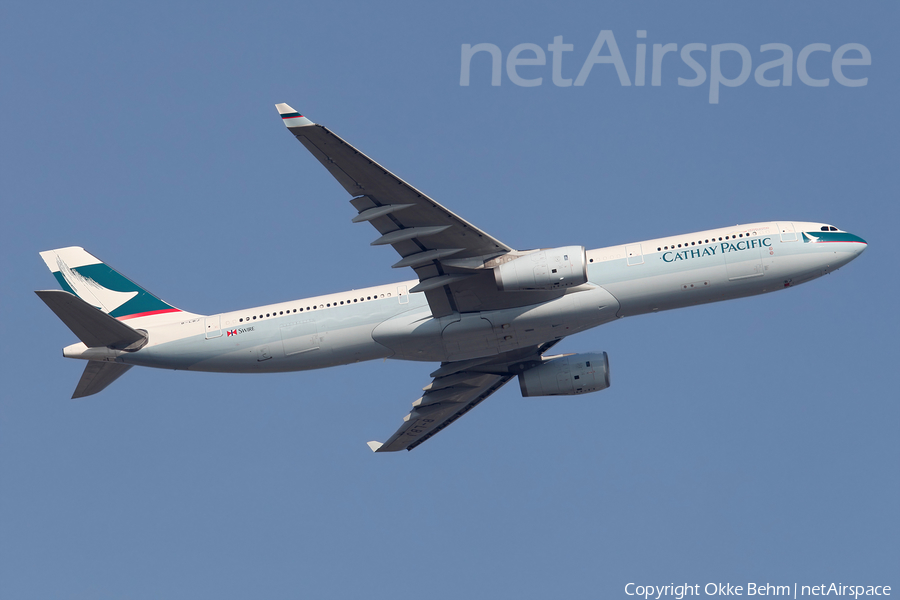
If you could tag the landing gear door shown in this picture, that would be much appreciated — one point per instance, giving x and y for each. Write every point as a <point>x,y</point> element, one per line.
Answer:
<point>787,232</point>
<point>213,327</point>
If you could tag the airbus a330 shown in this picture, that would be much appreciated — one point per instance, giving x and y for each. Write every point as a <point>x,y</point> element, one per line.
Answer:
<point>486,312</point>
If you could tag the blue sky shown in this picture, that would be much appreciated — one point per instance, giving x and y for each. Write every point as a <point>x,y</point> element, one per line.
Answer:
<point>747,441</point>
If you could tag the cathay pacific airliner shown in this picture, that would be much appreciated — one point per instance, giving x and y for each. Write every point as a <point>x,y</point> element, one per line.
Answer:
<point>487,313</point>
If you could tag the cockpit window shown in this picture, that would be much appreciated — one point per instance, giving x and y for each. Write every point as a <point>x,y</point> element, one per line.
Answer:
<point>824,227</point>
<point>833,228</point>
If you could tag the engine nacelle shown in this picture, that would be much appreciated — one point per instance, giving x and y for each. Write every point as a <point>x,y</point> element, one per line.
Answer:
<point>567,375</point>
<point>545,270</point>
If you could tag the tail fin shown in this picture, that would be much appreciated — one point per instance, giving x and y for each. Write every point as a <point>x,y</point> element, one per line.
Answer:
<point>95,282</point>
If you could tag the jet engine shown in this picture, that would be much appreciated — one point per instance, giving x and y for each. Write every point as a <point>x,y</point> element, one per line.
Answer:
<point>567,375</point>
<point>550,269</point>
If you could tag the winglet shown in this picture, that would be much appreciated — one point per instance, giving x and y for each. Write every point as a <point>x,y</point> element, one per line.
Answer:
<point>291,117</point>
<point>374,445</point>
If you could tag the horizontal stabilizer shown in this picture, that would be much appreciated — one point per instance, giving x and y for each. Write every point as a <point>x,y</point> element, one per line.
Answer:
<point>92,326</point>
<point>97,375</point>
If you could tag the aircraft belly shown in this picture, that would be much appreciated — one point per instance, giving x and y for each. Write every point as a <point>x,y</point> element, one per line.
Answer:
<point>355,344</point>
<point>474,335</point>
<point>470,337</point>
<point>573,313</point>
<point>413,335</point>
<point>656,292</point>
<point>179,354</point>
<point>292,347</point>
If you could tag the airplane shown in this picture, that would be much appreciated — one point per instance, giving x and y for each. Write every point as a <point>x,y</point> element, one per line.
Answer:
<point>486,312</point>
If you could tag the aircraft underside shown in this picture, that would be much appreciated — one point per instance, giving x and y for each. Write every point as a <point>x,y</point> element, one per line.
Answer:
<point>486,312</point>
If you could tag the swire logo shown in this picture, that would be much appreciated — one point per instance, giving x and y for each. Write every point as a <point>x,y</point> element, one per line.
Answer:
<point>238,331</point>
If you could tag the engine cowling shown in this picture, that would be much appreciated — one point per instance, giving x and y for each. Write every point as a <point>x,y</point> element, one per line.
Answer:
<point>567,375</point>
<point>550,269</point>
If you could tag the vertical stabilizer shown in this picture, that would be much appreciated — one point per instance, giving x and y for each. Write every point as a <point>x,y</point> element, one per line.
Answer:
<point>95,282</point>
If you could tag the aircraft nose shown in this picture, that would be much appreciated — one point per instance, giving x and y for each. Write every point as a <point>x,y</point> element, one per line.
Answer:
<point>847,247</point>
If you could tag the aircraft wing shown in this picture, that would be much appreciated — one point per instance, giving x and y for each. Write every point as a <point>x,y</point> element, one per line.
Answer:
<point>452,258</point>
<point>457,388</point>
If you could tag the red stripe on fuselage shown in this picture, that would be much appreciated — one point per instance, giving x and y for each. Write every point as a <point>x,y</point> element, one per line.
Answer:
<point>147,314</point>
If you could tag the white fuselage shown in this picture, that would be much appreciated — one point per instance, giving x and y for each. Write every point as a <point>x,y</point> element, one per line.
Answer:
<point>388,322</point>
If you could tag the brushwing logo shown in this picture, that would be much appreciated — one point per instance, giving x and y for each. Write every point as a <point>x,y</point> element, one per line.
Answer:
<point>810,239</point>
<point>92,292</point>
